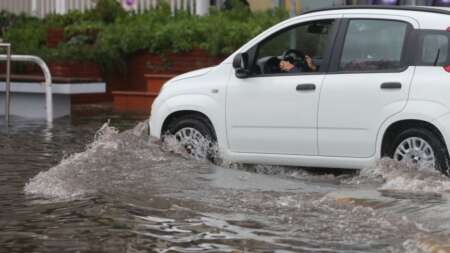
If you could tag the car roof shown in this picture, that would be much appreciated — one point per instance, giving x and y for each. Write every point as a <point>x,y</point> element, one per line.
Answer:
<point>426,17</point>
<point>428,9</point>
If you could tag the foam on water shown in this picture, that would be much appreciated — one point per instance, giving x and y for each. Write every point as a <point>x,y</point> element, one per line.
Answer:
<point>54,182</point>
<point>82,173</point>
<point>398,176</point>
<point>113,155</point>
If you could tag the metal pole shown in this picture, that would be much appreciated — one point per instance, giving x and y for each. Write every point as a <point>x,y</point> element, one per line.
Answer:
<point>47,75</point>
<point>8,83</point>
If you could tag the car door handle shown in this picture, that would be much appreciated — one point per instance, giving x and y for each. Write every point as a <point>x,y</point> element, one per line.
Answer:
<point>306,87</point>
<point>391,86</point>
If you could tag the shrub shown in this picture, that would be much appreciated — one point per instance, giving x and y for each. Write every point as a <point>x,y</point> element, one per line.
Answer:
<point>108,35</point>
<point>109,10</point>
<point>26,37</point>
<point>83,33</point>
<point>71,18</point>
<point>8,19</point>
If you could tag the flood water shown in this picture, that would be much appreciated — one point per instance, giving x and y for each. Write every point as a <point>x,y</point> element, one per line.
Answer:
<point>85,186</point>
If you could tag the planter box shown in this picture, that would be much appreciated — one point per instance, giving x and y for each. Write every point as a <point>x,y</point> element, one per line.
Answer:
<point>144,63</point>
<point>25,68</point>
<point>54,37</point>
<point>139,102</point>
<point>155,82</point>
<point>85,70</point>
<point>135,90</point>
<point>172,63</point>
<point>32,69</point>
<point>75,69</point>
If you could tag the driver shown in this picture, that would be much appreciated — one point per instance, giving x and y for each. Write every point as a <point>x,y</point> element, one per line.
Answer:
<point>286,66</point>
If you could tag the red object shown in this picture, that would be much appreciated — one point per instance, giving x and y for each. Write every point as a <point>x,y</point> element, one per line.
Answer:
<point>155,82</point>
<point>54,37</point>
<point>75,69</point>
<point>139,102</point>
<point>144,63</point>
<point>135,90</point>
<point>448,29</point>
<point>447,68</point>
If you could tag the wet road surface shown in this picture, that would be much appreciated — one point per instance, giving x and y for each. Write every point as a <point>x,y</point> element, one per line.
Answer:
<point>83,186</point>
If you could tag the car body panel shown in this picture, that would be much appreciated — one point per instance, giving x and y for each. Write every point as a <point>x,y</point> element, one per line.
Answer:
<point>287,120</point>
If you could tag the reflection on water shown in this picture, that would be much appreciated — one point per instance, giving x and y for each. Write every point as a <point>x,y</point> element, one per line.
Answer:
<point>76,189</point>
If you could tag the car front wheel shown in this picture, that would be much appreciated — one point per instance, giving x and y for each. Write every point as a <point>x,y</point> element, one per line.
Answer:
<point>194,135</point>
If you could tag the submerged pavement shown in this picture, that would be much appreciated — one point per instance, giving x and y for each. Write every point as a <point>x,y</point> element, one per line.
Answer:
<point>125,192</point>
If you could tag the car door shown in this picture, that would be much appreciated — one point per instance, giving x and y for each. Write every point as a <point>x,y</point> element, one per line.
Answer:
<point>273,112</point>
<point>369,81</point>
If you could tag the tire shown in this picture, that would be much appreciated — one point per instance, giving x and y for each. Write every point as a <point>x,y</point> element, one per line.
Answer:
<point>436,145</point>
<point>193,124</point>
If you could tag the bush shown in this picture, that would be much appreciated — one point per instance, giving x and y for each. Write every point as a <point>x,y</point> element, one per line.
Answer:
<point>236,4</point>
<point>83,33</point>
<point>7,20</point>
<point>108,35</point>
<point>219,33</point>
<point>71,18</point>
<point>26,37</point>
<point>109,10</point>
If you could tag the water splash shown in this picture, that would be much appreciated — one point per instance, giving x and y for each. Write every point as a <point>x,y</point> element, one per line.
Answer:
<point>86,172</point>
<point>200,149</point>
<point>398,176</point>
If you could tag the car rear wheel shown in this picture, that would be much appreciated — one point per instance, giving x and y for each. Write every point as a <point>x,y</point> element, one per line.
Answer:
<point>195,135</point>
<point>421,147</point>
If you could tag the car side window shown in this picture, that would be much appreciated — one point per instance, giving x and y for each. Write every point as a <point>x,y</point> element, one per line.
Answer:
<point>303,46</point>
<point>373,45</point>
<point>435,49</point>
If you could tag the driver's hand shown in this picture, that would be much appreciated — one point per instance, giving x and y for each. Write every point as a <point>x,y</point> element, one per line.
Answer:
<point>310,63</point>
<point>286,66</point>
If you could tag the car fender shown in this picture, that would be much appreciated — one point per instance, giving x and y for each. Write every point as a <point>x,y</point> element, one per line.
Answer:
<point>201,103</point>
<point>422,110</point>
<point>157,118</point>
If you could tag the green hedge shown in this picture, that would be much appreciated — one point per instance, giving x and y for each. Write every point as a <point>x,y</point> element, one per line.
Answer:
<point>108,35</point>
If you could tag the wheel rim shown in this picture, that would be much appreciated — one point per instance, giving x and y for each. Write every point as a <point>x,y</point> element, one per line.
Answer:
<point>194,142</point>
<point>416,150</point>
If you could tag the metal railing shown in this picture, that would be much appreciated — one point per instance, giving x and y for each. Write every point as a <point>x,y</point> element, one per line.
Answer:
<point>7,46</point>
<point>48,81</point>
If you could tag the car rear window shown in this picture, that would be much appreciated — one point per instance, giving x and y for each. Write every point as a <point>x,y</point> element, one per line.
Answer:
<point>435,48</point>
<point>373,45</point>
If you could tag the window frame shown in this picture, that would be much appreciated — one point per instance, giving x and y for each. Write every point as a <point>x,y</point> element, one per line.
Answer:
<point>407,55</point>
<point>328,52</point>
<point>420,43</point>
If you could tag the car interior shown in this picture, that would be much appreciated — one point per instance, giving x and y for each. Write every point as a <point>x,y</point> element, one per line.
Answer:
<point>292,45</point>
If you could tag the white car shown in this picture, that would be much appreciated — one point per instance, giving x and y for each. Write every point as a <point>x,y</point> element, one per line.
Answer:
<point>335,88</point>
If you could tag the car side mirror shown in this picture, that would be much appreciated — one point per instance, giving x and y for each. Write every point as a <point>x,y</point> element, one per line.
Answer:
<point>240,65</point>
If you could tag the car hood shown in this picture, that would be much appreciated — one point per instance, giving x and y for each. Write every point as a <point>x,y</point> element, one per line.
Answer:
<point>192,74</point>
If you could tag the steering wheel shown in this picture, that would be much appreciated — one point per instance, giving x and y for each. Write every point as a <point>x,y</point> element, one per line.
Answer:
<point>297,58</point>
